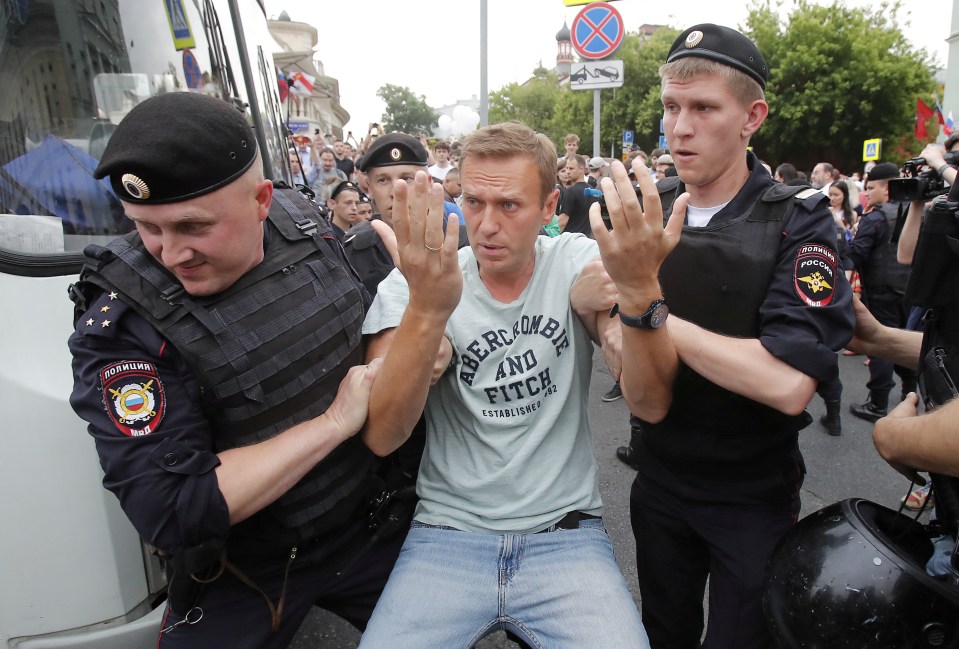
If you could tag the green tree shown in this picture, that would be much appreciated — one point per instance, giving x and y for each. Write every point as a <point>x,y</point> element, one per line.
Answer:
<point>405,111</point>
<point>533,103</point>
<point>838,76</point>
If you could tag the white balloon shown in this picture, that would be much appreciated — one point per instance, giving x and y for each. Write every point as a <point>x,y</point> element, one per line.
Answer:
<point>474,120</point>
<point>445,121</point>
<point>460,112</point>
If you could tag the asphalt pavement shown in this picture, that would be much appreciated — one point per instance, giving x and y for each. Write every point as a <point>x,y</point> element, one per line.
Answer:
<point>838,468</point>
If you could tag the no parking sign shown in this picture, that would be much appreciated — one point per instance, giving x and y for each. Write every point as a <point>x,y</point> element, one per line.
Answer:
<point>597,31</point>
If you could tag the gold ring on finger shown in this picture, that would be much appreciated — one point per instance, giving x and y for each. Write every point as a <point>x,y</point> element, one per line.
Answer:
<point>432,249</point>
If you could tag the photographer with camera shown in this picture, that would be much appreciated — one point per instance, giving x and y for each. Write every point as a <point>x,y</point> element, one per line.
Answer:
<point>941,161</point>
<point>873,253</point>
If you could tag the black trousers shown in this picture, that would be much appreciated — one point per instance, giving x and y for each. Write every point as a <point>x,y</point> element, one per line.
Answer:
<point>679,543</point>
<point>237,616</point>
<point>889,309</point>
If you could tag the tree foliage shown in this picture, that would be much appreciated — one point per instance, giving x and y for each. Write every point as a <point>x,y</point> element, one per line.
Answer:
<point>405,112</point>
<point>838,76</point>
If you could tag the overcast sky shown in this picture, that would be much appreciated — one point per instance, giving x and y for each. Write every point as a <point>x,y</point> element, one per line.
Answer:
<point>434,47</point>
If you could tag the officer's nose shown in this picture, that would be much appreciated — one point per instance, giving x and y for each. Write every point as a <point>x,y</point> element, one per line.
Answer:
<point>173,252</point>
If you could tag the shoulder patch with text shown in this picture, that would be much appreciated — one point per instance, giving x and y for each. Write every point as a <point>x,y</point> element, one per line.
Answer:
<point>133,396</point>
<point>815,275</point>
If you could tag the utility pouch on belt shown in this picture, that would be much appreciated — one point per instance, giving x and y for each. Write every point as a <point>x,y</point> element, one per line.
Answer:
<point>190,571</point>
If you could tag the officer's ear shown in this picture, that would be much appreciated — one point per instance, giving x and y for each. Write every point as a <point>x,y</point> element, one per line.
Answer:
<point>264,198</point>
<point>758,111</point>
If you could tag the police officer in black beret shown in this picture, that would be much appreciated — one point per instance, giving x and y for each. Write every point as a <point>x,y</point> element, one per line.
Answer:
<point>873,253</point>
<point>344,203</point>
<point>395,156</point>
<point>730,314</point>
<point>216,358</point>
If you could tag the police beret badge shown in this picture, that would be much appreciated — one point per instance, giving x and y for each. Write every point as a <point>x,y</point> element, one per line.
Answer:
<point>815,275</point>
<point>133,396</point>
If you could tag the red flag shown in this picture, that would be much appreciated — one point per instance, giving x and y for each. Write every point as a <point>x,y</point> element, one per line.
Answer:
<point>923,113</point>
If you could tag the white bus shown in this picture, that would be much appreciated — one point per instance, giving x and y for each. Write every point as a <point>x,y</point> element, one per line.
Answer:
<point>73,572</point>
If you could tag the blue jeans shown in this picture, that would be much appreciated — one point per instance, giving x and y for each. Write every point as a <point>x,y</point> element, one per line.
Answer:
<point>556,589</point>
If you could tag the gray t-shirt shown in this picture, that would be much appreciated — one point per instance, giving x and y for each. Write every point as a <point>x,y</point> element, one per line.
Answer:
<point>508,446</point>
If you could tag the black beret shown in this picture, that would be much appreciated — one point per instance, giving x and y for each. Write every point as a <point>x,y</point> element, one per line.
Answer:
<point>177,146</point>
<point>394,149</point>
<point>346,185</point>
<point>723,45</point>
<point>883,171</point>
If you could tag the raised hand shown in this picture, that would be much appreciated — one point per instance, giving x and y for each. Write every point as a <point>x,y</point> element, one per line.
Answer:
<point>427,258</point>
<point>635,248</point>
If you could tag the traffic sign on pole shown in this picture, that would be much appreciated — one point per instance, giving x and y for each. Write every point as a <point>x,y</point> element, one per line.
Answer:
<point>870,149</point>
<point>593,75</point>
<point>627,138</point>
<point>597,31</point>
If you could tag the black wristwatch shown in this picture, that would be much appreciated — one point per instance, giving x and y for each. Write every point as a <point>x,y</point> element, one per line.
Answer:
<point>654,318</point>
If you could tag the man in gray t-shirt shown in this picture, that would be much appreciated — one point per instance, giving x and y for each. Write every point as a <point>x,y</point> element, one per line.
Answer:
<point>507,534</point>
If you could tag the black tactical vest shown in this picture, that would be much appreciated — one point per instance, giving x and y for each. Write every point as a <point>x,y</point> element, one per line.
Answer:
<point>934,285</point>
<point>718,277</point>
<point>269,352</point>
<point>881,269</point>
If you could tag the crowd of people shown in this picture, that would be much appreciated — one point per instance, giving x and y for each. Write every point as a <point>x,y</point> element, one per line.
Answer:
<point>269,379</point>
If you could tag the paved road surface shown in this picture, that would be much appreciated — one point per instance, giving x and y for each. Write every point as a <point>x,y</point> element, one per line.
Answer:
<point>839,467</point>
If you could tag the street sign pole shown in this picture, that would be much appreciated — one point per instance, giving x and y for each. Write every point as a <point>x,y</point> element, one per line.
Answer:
<point>596,151</point>
<point>597,32</point>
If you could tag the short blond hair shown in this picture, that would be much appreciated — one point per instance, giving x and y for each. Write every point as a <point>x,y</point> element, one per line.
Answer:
<point>742,86</point>
<point>514,139</point>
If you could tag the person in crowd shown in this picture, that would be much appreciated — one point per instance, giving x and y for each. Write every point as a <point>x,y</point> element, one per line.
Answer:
<point>728,324</point>
<point>822,177</point>
<point>575,214</point>
<point>452,187</point>
<point>344,203</point>
<point>326,176</point>
<point>663,164</point>
<point>785,172</point>
<point>441,153</point>
<point>344,158</point>
<point>571,144</point>
<point>364,211</point>
<point>841,207</point>
<point>873,253</point>
<point>597,168</point>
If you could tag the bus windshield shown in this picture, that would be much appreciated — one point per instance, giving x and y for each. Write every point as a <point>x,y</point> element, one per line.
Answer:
<point>72,70</point>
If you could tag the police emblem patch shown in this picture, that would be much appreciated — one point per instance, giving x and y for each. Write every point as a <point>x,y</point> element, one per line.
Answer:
<point>815,275</point>
<point>133,396</point>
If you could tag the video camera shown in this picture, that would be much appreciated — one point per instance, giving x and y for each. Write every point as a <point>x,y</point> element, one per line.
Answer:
<point>919,184</point>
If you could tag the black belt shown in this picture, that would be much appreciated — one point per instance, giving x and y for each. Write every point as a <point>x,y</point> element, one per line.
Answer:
<point>570,521</point>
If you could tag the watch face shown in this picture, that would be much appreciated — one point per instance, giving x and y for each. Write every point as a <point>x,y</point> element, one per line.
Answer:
<point>658,316</point>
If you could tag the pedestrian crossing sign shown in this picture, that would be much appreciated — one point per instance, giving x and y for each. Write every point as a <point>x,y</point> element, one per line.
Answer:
<point>871,149</point>
<point>179,25</point>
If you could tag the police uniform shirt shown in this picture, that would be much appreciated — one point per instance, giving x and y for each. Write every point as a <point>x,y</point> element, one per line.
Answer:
<point>803,336</point>
<point>871,233</point>
<point>155,446</point>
